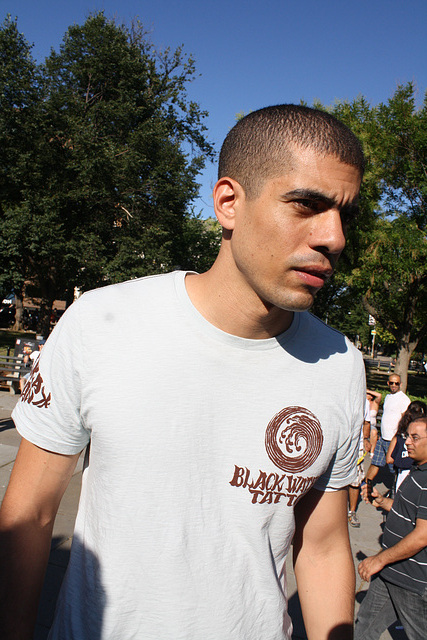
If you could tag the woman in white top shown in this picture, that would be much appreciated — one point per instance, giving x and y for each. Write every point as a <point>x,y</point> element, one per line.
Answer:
<point>374,399</point>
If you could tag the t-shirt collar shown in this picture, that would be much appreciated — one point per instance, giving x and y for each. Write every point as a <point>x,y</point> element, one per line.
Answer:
<point>421,467</point>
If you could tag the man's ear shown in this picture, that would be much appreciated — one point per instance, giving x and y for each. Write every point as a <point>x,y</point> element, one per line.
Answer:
<point>227,195</point>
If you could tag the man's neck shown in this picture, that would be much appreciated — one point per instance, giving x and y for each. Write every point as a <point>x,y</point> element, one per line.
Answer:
<point>232,310</point>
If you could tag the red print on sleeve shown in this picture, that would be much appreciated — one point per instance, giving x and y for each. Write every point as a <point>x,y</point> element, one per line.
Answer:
<point>35,391</point>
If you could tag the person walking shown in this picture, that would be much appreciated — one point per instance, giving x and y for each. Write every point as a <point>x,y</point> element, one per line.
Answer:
<point>398,573</point>
<point>223,420</point>
<point>395,405</point>
<point>374,399</point>
<point>354,488</point>
<point>397,453</point>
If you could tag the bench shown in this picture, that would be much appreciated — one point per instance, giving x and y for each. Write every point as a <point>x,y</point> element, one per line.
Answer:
<point>371,362</point>
<point>11,369</point>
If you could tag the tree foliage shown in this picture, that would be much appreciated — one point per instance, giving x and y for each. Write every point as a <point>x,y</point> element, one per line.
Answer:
<point>102,149</point>
<point>393,277</point>
<point>19,96</point>
<point>385,264</point>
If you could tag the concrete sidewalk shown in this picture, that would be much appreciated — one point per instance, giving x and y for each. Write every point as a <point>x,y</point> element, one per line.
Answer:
<point>364,541</point>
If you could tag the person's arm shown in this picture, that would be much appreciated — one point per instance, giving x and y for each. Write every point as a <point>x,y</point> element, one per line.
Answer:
<point>37,484</point>
<point>324,566</point>
<point>389,458</point>
<point>378,500</point>
<point>405,548</point>
<point>377,396</point>
<point>366,436</point>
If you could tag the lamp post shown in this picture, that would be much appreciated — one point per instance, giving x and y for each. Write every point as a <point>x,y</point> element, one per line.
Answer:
<point>373,334</point>
<point>371,323</point>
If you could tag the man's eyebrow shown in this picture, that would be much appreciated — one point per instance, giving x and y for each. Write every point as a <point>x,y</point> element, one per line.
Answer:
<point>309,194</point>
<point>349,209</point>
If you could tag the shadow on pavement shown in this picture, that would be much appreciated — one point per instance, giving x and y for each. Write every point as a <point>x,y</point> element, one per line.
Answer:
<point>6,424</point>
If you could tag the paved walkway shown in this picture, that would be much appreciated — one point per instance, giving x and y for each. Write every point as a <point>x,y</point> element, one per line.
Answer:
<point>364,541</point>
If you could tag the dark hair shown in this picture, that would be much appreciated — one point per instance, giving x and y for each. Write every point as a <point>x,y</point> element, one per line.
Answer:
<point>259,146</point>
<point>415,411</point>
<point>422,419</point>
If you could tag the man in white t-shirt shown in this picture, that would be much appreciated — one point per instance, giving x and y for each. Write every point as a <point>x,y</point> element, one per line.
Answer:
<point>395,405</point>
<point>223,422</point>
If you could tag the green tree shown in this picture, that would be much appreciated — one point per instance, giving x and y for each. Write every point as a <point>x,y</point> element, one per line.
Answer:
<point>393,277</point>
<point>19,98</point>
<point>388,243</point>
<point>105,189</point>
<point>201,240</point>
<point>340,306</point>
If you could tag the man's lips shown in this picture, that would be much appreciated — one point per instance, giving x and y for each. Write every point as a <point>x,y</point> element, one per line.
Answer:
<point>315,276</point>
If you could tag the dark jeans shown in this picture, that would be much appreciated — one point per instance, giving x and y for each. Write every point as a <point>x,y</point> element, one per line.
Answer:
<point>383,604</point>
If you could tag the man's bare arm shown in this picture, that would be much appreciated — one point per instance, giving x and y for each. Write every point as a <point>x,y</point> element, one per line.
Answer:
<point>324,566</point>
<point>37,484</point>
<point>405,548</point>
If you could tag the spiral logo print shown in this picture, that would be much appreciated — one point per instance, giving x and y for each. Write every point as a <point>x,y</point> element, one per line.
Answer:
<point>294,439</point>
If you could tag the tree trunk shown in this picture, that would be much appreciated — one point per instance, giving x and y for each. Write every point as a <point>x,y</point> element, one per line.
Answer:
<point>69,297</point>
<point>48,296</point>
<point>45,313</point>
<point>402,365</point>
<point>405,349</point>
<point>19,313</point>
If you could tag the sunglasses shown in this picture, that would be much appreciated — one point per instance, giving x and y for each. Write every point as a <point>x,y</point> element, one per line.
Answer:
<point>397,384</point>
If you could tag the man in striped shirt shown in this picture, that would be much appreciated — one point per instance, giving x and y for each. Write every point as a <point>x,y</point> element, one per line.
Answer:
<point>398,588</point>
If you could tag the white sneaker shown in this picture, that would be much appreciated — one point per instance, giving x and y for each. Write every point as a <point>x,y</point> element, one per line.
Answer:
<point>353,520</point>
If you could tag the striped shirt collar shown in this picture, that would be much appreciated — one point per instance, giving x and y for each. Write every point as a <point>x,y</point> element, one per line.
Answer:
<point>420,467</point>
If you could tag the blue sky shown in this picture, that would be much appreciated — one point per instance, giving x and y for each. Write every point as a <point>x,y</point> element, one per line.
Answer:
<point>252,53</point>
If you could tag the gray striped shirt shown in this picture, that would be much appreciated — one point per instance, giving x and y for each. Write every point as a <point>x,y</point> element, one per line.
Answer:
<point>409,504</point>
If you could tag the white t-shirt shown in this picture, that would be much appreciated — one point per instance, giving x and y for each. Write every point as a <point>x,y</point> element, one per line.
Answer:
<point>367,414</point>
<point>395,405</point>
<point>201,442</point>
<point>34,356</point>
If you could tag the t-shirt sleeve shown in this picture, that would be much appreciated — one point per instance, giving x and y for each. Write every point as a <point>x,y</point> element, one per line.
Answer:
<point>422,505</point>
<point>48,413</point>
<point>405,404</point>
<point>342,469</point>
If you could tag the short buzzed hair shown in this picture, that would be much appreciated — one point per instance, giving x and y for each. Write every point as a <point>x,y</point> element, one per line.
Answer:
<point>259,146</point>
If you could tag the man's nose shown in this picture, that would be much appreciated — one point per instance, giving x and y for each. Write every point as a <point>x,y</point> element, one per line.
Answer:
<point>327,235</point>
